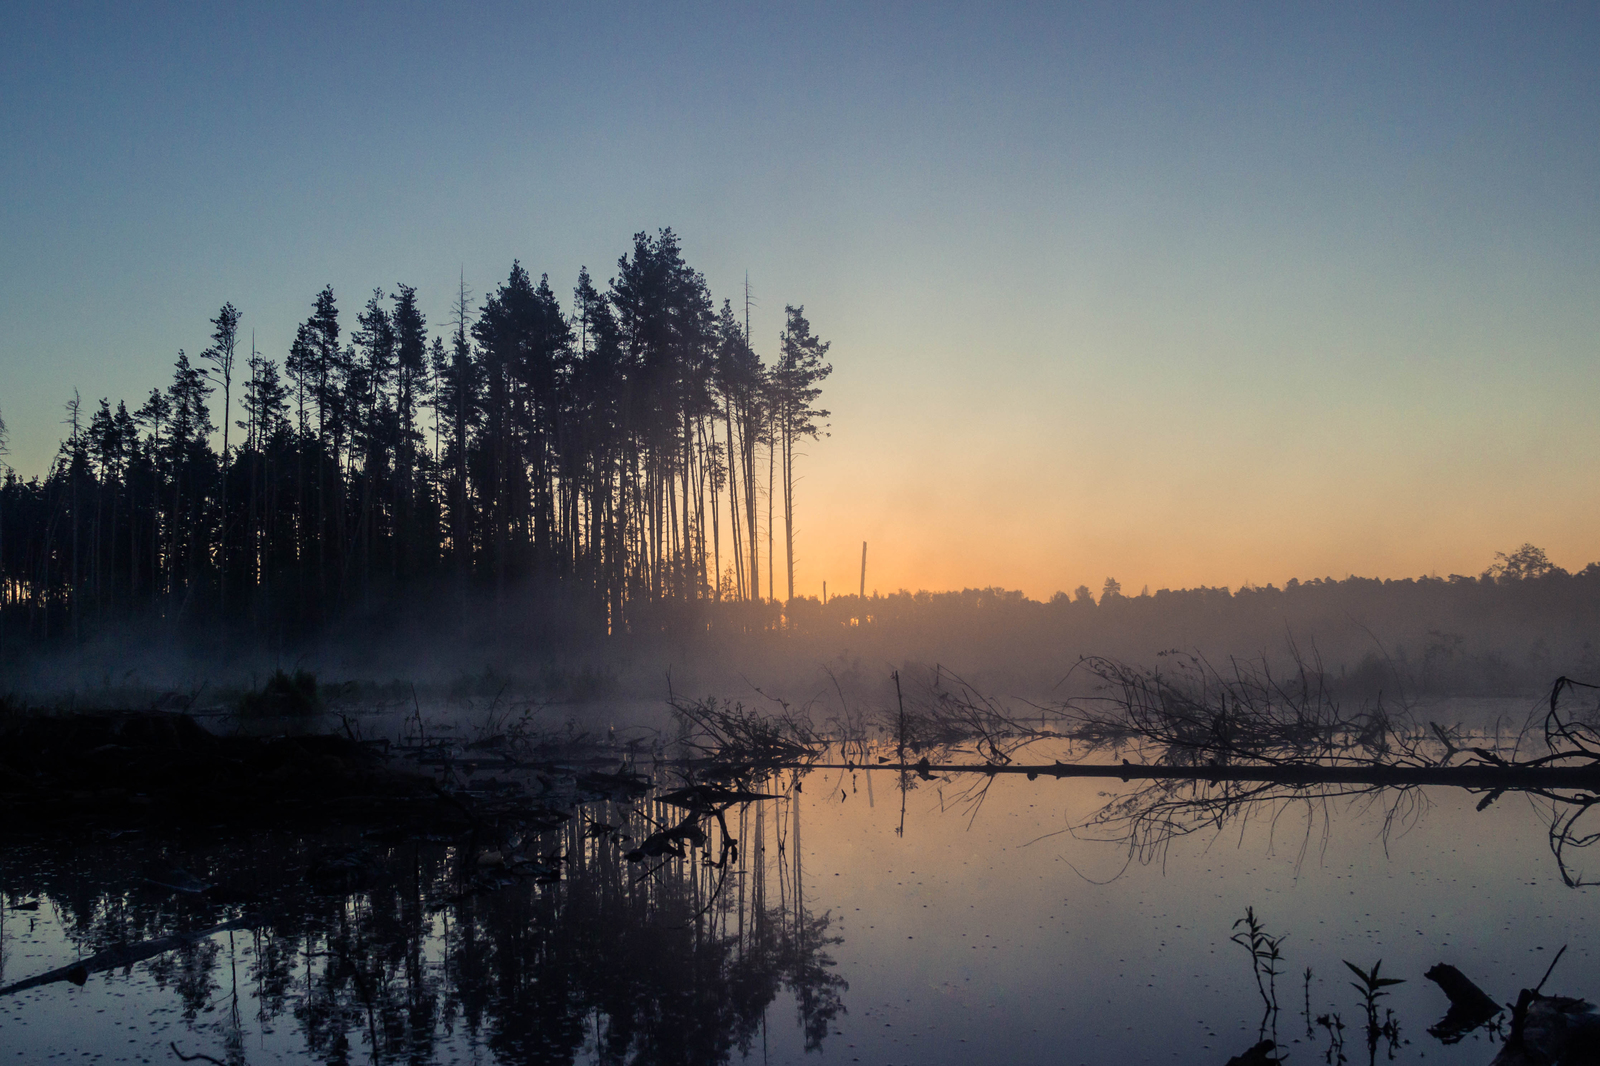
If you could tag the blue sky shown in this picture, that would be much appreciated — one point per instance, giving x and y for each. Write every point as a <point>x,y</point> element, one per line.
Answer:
<point>1181,294</point>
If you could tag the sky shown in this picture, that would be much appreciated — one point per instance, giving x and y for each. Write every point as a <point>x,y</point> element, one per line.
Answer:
<point>1179,294</point>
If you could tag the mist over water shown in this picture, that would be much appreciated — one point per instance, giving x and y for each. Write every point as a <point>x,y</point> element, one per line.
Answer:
<point>1425,639</point>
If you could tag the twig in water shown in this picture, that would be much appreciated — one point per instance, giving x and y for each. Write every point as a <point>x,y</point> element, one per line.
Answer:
<point>196,1057</point>
<point>1538,987</point>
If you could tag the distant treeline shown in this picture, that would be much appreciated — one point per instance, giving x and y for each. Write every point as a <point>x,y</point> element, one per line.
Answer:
<point>1507,631</point>
<point>597,453</point>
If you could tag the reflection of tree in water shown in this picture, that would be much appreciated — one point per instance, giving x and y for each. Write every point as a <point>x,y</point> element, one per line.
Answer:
<point>662,969</point>
<point>393,947</point>
<point>1150,818</point>
<point>190,972</point>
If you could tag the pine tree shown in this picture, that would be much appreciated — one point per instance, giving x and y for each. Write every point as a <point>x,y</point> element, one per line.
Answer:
<point>795,382</point>
<point>318,360</point>
<point>372,420</point>
<point>411,365</point>
<point>600,382</point>
<point>458,403</point>
<point>739,377</point>
<point>154,416</point>
<point>224,344</point>
<point>189,461</point>
<point>664,313</point>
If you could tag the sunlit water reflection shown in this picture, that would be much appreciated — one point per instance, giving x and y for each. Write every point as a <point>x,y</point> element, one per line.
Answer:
<point>988,933</point>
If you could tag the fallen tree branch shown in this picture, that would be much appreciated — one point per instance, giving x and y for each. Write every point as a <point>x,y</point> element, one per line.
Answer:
<point>1504,776</point>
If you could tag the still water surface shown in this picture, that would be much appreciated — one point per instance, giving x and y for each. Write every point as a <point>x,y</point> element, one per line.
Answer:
<point>842,930</point>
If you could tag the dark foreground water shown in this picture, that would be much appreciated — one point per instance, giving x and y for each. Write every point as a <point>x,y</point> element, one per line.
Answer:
<point>841,929</point>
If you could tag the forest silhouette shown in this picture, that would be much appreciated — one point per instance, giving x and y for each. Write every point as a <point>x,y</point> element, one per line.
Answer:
<point>590,455</point>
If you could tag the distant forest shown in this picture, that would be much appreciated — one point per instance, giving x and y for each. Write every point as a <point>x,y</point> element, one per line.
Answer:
<point>1508,631</point>
<point>593,455</point>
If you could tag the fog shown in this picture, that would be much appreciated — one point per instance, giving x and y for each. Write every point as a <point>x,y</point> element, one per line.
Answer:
<point>1409,640</point>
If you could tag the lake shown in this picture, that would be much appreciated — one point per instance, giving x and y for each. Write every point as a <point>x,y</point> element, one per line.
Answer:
<point>967,918</point>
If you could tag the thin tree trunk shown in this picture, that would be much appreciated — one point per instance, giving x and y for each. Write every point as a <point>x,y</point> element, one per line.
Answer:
<point>733,502</point>
<point>788,506</point>
<point>772,442</point>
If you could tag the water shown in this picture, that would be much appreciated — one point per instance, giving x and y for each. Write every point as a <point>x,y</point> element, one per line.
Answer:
<point>843,929</point>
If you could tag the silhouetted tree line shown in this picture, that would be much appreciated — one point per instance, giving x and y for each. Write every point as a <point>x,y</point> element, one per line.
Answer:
<point>596,453</point>
<point>1509,630</point>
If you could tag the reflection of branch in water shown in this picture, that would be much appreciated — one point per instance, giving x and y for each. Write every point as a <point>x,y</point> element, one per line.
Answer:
<point>1170,807</point>
<point>1221,746</point>
<point>1566,811</point>
<point>1149,819</point>
<point>1567,740</point>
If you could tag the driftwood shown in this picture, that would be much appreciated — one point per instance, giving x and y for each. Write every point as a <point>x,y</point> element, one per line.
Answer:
<point>124,955</point>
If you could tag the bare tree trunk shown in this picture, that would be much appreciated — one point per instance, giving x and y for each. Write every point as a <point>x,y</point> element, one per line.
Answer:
<point>733,502</point>
<point>772,443</point>
<point>716,513</point>
<point>788,506</point>
<point>688,472</point>
<point>748,439</point>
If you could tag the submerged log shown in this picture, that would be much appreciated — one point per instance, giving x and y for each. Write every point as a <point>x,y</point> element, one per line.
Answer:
<point>123,955</point>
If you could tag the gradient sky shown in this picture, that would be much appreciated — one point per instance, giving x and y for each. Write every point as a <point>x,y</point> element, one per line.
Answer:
<point>1180,294</point>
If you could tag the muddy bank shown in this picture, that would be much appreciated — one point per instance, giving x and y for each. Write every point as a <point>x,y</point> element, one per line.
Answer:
<point>143,766</point>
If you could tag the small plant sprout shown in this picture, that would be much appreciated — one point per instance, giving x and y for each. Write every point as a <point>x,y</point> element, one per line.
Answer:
<point>1335,1027</point>
<point>1372,988</point>
<point>1264,960</point>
